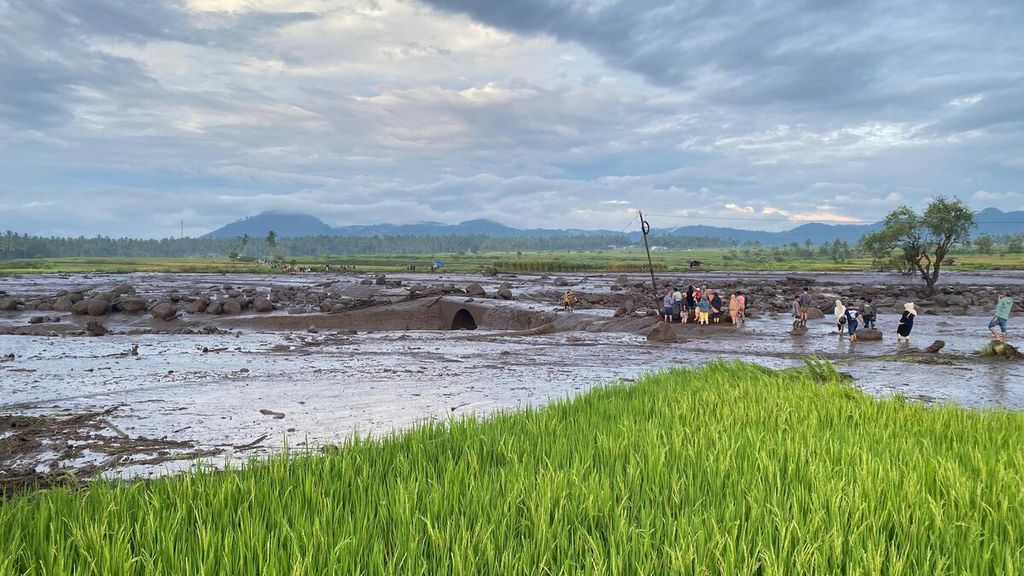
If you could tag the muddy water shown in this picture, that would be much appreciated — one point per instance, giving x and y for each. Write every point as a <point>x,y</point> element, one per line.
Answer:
<point>330,385</point>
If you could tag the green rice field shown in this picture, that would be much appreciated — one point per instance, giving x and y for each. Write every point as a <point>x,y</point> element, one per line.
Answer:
<point>725,469</point>
<point>609,261</point>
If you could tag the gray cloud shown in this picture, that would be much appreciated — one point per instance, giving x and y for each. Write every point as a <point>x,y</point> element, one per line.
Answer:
<point>534,113</point>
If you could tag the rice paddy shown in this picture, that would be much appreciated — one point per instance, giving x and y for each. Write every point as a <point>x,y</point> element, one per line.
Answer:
<point>725,469</point>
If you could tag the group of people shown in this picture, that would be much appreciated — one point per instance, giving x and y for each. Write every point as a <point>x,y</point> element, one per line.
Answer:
<point>851,320</point>
<point>702,306</point>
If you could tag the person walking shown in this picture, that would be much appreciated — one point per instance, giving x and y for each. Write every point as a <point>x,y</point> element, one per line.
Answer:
<point>1001,316</point>
<point>666,304</point>
<point>704,308</point>
<point>906,324</point>
<point>805,300</point>
<point>840,314</point>
<point>868,314</point>
<point>851,322</point>
<point>569,299</point>
<point>741,300</point>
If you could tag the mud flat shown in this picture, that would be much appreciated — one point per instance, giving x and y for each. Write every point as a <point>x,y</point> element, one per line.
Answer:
<point>310,359</point>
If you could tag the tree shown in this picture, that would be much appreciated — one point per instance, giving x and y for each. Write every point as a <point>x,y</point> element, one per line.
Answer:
<point>245,242</point>
<point>921,242</point>
<point>1016,244</point>
<point>271,242</point>
<point>984,244</point>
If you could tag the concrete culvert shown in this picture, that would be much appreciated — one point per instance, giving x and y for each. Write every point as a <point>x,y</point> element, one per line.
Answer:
<point>463,320</point>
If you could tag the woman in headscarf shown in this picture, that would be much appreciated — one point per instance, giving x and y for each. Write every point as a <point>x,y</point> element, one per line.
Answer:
<point>906,322</point>
<point>734,308</point>
<point>840,314</point>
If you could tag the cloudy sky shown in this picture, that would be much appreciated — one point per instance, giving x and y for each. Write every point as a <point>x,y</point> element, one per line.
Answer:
<point>125,118</point>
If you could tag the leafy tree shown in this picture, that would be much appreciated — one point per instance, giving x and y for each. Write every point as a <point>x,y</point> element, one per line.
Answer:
<point>271,242</point>
<point>921,242</point>
<point>1016,244</point>
<point>984,244</point>
<point>244,242</point>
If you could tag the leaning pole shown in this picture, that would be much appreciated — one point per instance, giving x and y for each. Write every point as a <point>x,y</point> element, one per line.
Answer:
<point>645,227</point>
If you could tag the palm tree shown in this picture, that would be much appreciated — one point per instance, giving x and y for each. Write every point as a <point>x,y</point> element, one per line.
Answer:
<point>271,242</point>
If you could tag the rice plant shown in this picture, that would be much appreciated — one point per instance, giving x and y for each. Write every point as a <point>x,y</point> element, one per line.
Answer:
<point>725,469</point>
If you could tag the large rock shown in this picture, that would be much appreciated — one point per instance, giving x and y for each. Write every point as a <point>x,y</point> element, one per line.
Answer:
<point>215,307</point>
<point>869,334</point>
<point>97,307</point>
<point>261,304</point>
<point>132,305</point>
<point>123,289</point>
<point>232,306</point>
<point>815,313</point>
<point>164,311</point>
<point>505,293</point>
<point>561,281</point>
<point>662,332</point>
<point>198,305</point>
<point>63,303</point>
<point>476,290</point>
<point>8,304</point>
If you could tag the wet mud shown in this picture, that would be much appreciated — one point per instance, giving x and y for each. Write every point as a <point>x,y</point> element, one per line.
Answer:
<point>335,355</point>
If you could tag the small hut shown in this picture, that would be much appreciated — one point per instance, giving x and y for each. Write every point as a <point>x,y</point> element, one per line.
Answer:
<point>695,265</point>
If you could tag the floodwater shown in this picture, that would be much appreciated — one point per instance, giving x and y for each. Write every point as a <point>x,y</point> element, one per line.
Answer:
<point>330,385</point>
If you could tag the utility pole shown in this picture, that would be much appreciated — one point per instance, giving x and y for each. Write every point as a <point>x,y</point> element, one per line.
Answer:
<point>645,227</point>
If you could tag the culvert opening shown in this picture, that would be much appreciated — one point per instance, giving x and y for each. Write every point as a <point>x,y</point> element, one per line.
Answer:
<point>463,320</point>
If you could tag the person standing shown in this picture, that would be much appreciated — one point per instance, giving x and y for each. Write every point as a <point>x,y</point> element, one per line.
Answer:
<point>840,313</point>
<point>805,301</point>
<point>691,303</point>
<point>666,304</point>
<point>906,322</point>
<point>741,300</point>
<point>734,308</point>
<point>716,308</point>
<point>570,300</point>
<point>868,314</point>
<point>704,306</point>
<point>1001,316</point>
<point>677,304</point>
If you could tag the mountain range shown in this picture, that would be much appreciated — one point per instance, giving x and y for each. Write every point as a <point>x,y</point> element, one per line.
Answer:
<point>990,221</point>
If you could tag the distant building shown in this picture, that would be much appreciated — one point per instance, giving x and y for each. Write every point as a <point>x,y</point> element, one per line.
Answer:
<point>695,265</point>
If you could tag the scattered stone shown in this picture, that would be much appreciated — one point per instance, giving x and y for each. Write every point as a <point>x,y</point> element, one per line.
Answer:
<point>505,293</point>
<point>43,319</point>
<point>276,415</point>
<point>94,328</point>
<point>7,357</point>
<point>211,330</point>
<point>381,280</point>
<point>935,347</point>
<point>622,311</point>
<point>476,290</point>
<point>261,304</point>
<point>662,332</point>
<point>312,330</point>
<point>63,303</point>
<point>8,304</point>
<point>215,307</point>
<point>164,311</point>
<point>135,350</point>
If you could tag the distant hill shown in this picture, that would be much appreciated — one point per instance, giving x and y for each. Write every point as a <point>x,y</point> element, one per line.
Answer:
<point>990,221</point>
<point>284,225</point>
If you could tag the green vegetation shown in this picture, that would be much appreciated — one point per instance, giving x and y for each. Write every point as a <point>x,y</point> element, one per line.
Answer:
<point>631,260</point>
<point>727,469</point>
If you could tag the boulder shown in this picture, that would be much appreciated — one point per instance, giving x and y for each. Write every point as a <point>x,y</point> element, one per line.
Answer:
<point>215,307</point>
<point>198,305</point>
<point>662,332</point>
<point>63,303</point>
<point>815,313</point>
<point>505,294</point>
<point>261,304</point>
<point>381,280</point>
<point>869,334</point>
<point>132,305</point>
<point>560,281</point>
<point>8,304</point>
<point>621,311</point>
<point>935,347</point>
<point>476,290</point>
<point>122,289</point>
<point>232,306</point>
<point>164,311</point>
<point>81,307</point>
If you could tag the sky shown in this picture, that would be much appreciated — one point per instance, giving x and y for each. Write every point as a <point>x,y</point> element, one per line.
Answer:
<point>129,118</point>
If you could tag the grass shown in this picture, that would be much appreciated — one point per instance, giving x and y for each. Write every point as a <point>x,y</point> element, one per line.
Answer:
<point>726,469</point>
<point>610,261</point>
